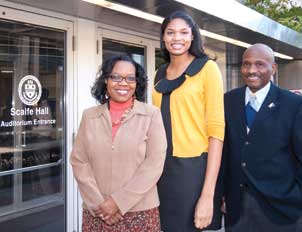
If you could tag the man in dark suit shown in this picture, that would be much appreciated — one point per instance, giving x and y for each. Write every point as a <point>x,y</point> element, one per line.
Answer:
<point>263,150</point>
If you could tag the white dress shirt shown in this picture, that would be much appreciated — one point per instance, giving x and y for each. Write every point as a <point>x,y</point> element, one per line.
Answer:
<point>259,95</point>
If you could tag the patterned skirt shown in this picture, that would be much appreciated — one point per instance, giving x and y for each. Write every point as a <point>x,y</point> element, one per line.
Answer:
<point>141,221</point>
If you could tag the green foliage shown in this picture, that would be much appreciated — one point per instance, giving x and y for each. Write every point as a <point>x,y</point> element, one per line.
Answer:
<point>282,11</point>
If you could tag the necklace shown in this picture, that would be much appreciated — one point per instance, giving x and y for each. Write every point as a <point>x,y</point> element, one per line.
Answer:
<point>124,115</point>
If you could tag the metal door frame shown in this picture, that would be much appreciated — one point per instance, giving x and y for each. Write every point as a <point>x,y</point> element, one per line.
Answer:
<point>24,14</point>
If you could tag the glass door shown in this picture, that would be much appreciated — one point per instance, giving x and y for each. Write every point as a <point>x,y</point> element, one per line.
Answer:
<point>32,134</point>
<point>140,48</point>
<point>112,47</point>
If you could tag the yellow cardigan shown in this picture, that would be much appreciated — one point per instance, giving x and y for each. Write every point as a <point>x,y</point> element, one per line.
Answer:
<point>197,111</point>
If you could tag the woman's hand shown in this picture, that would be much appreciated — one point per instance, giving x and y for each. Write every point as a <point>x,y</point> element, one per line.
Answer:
<point>204,208</point>
<point>203,212</point>
<point>114,219</point>
<point>107,209</point>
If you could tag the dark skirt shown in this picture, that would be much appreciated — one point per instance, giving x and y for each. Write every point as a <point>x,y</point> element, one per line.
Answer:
<point>179,190</point>
<point>141,221</point>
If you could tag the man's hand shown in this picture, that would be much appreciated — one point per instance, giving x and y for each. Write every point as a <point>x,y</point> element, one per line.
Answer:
<point>223,207</point>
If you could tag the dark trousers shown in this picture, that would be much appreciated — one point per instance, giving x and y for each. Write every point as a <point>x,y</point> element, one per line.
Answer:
<point>252,219</point>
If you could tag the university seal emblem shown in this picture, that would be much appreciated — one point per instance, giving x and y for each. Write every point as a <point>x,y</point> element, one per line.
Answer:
<point>29,90</point>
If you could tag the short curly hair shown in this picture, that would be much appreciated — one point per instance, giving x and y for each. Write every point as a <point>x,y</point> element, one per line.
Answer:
<point>99,88</point>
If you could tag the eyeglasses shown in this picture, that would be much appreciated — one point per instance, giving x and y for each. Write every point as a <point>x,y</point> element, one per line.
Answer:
<point>118,78</point>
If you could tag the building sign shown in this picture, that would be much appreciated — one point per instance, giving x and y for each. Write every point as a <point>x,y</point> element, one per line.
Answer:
<point>30,90</point>
<point>37,111</point>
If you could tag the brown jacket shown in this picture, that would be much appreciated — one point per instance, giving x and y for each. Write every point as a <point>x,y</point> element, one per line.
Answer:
<point>127,168</point>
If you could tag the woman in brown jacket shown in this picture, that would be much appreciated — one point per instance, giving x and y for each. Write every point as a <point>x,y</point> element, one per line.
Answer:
<point>119,152</point>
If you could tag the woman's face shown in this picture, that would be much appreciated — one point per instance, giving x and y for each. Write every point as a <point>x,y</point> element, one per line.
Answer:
<point>121,83</point>
<point>178,37</point>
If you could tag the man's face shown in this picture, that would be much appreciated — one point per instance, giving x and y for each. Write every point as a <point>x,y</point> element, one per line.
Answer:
<point>257,67</point>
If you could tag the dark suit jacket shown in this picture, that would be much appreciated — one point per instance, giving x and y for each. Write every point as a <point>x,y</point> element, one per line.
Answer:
<point>269,158</point>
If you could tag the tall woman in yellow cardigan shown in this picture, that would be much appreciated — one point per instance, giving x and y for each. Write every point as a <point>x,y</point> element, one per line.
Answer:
<point>189,91</point>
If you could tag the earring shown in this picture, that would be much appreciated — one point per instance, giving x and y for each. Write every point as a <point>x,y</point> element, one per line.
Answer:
<point>106,95</point>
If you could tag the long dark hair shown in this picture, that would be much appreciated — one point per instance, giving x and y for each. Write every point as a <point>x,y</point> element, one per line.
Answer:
<point>196,48</point>
<point>99,88</point>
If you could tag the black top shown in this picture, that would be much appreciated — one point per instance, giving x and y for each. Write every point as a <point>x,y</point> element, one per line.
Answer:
<point>163,85</point>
